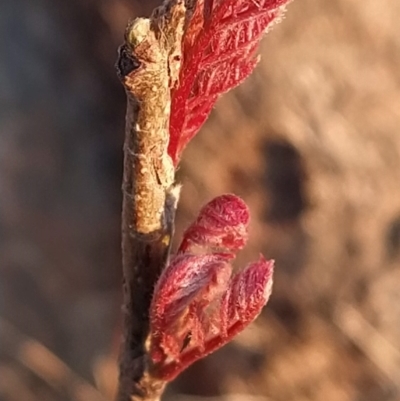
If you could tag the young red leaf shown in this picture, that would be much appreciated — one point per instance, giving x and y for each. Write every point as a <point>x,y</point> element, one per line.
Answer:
<point>218,54</point>
<point>218,312</point>
<point>222,224</point>
<point>188,282</point>
<point>196,306</point>
<point>248,292</point>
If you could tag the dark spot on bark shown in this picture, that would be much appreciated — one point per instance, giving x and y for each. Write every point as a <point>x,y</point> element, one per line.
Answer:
<point>126,62</point>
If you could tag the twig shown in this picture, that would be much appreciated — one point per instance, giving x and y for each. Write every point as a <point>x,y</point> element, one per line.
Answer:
<point>229,397</point>
<point>378,349</point>
<point>44,364</point>
<point>148,67</point>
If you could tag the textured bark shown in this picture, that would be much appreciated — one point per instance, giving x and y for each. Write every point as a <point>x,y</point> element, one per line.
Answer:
<point>147,66</point>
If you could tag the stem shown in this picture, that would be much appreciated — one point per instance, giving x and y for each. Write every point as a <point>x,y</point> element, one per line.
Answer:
<point>144,255</point>
<point>148,67</point>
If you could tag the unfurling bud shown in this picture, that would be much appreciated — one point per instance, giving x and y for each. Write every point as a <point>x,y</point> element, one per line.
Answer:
<point>197,306</point>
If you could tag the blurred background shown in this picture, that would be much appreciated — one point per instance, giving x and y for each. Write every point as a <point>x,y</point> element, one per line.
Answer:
<point>312,143</point>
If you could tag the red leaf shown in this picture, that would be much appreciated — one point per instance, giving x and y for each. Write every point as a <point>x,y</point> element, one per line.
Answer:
<point>196,306</point>
<point>221,225</point>
<point>248,292</point>
<point>210,319</point>
<point>189,282</point>
<point>218,54</point>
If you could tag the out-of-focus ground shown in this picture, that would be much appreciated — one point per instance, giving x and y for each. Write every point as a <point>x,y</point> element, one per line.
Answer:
<point>311,141</point>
